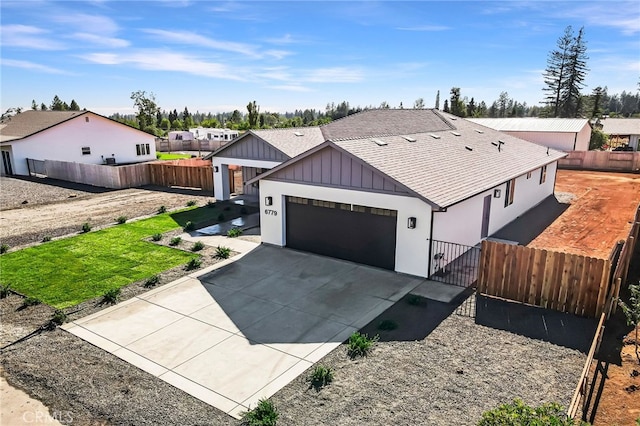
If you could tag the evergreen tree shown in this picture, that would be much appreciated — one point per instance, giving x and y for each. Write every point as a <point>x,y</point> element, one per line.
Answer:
<point>43,107</point>
<point>56,104</point>
<point>254,111</point>
<point>570,97</point>
<point>438,100</point>
<point>34,105</point>
<point>471,108</point>
<point>73,106</point>
<point>446,105</point>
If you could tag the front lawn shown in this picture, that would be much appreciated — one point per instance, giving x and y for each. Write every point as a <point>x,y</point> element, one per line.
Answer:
<point>66,272</point>
<point>168,156</point>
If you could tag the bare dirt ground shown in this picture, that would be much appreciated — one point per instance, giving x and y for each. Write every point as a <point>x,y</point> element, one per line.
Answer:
<point>51,212</point>
<point>599,215</point>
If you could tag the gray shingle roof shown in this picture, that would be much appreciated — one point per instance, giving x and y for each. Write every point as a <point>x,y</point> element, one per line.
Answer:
<point>30,122</point>
<point>380,122</point>
<point>621,126</point>
<point>443,170</point>
<point>292,141</point>
<point>532,124</point>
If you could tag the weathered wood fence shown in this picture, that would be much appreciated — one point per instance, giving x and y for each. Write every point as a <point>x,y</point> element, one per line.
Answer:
<point>624,260</point>
<point>618,161</point>
<point>190,173</point>
<point>560,281</point>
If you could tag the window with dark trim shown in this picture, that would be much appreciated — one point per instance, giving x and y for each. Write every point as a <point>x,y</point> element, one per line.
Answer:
<point>143,149</point>
<point>543,174</point>
<point>86,150</point>
<point>511,190</point>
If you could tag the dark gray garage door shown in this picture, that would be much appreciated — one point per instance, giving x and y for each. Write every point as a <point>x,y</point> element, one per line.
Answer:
<point>357,233</point>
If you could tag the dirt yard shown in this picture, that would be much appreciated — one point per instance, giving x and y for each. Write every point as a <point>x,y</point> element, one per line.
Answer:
<point>599,215</point>
<point>53,210</point>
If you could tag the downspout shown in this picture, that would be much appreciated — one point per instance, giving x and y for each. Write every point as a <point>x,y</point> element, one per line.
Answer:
<point>575,140</point>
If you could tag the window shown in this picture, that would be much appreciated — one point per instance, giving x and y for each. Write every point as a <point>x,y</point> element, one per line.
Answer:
<point>86,150</point>
<point>143,149</point>
<point>543,174</point>
<point>511,189</point>
<point>178,138</point>
<point>528,175</point>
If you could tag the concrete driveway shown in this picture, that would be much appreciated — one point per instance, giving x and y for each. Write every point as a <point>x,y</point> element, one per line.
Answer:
<point>235,334</point>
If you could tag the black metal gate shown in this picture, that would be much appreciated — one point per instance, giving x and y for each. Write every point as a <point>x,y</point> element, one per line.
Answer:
<point>36,167</point>
<point>452,263</point>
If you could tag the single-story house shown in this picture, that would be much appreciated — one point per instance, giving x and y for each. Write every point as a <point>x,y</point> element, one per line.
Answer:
<point>382,185</point>
<point>181,135</point>
<point>622,131</point>
<point>562,134</point>
<point>73,136</point>
<point>214,134</point>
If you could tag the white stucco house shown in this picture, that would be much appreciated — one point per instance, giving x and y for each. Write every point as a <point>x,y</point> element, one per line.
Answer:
<point>622,131</point>
<point>562,134</point>
<point>378,187</point>
<point>73,136</point>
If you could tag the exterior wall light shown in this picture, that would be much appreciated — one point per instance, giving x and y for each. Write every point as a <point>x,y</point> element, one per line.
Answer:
<point>268,201</point>
<point>216,169</point>
<point>496,193</point>
<point>411,223</point>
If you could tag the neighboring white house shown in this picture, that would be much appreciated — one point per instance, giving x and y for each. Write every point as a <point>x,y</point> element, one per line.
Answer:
<point>622,130</point>
<point>382,185</point>
<point>214,134</point>
<point>563,134</point>
<point>181,135</point>
<point>74,136</point>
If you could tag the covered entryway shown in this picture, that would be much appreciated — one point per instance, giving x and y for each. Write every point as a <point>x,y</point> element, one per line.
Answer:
<point>351,232</point>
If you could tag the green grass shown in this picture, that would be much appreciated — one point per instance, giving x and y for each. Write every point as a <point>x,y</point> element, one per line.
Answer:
<point>166,156</point>
<point>207,215</point>
<point>66,272</point>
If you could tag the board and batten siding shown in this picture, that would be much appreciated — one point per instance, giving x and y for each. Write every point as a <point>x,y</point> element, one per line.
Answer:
<point>412,249</point>
<point>330,167</point>
<point>561,141</point>
<point>251,147</point>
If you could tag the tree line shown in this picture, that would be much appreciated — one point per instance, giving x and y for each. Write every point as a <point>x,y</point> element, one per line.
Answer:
<point>56,105</point>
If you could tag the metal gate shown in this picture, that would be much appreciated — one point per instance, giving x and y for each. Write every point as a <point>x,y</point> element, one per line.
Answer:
<point>36,167</point>
<point>452,263</point>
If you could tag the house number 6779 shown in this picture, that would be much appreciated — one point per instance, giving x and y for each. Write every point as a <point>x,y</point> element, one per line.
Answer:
<point>271,212</point>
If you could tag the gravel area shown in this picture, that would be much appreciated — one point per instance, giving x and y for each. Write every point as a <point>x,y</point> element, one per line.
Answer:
<point>50,212</point>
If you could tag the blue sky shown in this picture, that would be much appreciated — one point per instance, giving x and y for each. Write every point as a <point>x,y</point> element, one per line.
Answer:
<point>218,56</point>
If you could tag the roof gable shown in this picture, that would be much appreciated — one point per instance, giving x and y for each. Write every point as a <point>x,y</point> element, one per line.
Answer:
<point>251,147</point>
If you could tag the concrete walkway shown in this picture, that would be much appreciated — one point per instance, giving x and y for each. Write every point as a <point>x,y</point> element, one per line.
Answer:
<point>242,330</point>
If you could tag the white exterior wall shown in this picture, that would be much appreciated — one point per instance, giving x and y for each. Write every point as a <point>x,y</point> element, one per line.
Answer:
<point>556,140</point>
<point>462,222</point>
<point>65,141</point>
<point>221,190</point>
<point>412,249</point>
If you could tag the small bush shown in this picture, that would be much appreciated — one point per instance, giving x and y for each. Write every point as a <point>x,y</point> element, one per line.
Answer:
<point>220,217</point>
<point>162,209</point>
<point>518,413</point>
<point>121,220</point>
<point>234,232</point>
<point>191,203</point>
<point>387,325</point>
<point>193,264</point>
<point>265,414</point>
<point>243,210</point>
<point>175,241</point>
<point>111,296</point>
<point>46,239</point>
<point>360,344</point>
<point>189,226</point>
<point>222,252</point>
<point>414,300</point>
<point>158,155</point>
<point>152,281</point>
<point>156,237</point>
<point>86,227</point>
<point>30,301</point>
<point>4,248</point>
<point>5,290</point>
<point>197,246</point>
<point>58,318</point>
<point>321,376</point>
<point>211,204</point>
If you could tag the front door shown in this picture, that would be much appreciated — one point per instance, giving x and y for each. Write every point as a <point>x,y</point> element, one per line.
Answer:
<point>486,213</point>
<point>6,162</point>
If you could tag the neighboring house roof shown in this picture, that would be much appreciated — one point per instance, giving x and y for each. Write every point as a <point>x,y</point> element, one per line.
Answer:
<point>30,122</point>
<point>533,124</point>
<point>459,162</point>
<point>289,141</point>
<point>621,126</point>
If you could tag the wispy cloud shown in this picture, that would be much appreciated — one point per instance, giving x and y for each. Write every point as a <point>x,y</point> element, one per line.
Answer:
<point>278,54</point>
<point>291,88</point>
<point>29,37</point>
<point>32,66</point>
<point>285,39</point>
<point>96,40</point>
<point>623,17</point>
<point>190,38</point>
<point>94,24</point>
<point>425,28</point>
<point>159,60</point>
<point>334,75</point>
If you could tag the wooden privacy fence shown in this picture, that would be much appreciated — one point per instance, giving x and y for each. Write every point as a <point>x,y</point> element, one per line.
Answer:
<point>560,281</point>
<point>624,260</point>
<point>601,160</point>
<point>184,176</point>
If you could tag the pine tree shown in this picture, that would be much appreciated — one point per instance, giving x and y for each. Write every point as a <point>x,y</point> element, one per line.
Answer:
<point>570,97</point>
<point>56,104</point>
<point>438,100</point>
<point>43,107</point>
<point>446,105</point>
<point>34,105</point>
<point>73,106</point>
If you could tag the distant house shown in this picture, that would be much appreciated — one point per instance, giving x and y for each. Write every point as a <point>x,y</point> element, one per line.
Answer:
<point>382,187</point>
<point>622,131</point>
<point>181,135</point>
<point>563,134</point>
<point>74,136</point>
<point>214,134</point>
